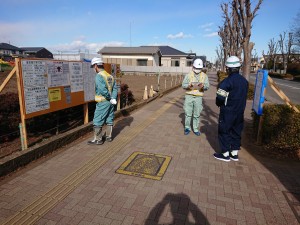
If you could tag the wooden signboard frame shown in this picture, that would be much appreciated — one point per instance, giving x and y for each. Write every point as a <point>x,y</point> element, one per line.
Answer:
<point>60,97</point>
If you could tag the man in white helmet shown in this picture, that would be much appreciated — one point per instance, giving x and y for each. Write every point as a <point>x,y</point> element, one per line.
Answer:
<point>231,98</point>
<point>195,83</point>
<point>105,95</point>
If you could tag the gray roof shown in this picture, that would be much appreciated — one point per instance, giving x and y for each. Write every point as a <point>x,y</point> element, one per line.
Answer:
<point>6,46</point>
<point>169,51</point>
<point>32,49</point>
<point>144,50</point>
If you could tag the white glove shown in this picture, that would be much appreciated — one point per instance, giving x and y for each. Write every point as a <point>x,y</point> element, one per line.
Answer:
<point>113,101</point>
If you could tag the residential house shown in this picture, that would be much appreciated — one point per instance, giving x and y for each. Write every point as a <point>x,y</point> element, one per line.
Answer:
<point>132,56</point>
<point>37,52</point>
<point>7,51</point>
<point>163,56</point>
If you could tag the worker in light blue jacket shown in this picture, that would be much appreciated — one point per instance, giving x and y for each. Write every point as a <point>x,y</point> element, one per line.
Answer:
<point>105,95</point>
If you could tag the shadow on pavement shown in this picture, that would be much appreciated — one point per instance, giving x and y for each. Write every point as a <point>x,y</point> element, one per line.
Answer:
<point>182,117</point>
<point>209,119</point>
<point>180,206</point>
<point>121,124</point>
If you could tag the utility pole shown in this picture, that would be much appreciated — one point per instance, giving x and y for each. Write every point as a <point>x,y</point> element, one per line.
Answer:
<point>130,33</point>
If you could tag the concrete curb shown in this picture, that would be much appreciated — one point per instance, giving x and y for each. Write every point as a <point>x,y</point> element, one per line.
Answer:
<point>22,158</point>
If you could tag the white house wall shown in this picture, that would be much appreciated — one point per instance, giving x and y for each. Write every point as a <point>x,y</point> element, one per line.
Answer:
<point>167,61</point>
<point>74,56</point>
<point>155,69</point>
<point>121,58</point>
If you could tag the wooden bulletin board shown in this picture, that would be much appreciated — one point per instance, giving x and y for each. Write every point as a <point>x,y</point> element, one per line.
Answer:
<point>51,85</point>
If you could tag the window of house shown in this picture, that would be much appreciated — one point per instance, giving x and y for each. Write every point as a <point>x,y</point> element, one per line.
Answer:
<point>189,63</point>
<point>175,62</point>
<point>142,62</point>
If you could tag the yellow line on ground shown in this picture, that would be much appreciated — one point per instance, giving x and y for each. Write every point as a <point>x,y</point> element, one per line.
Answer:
<point>42,204</point>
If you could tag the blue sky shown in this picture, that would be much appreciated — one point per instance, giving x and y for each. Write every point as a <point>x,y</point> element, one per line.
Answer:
<point>65,25</point>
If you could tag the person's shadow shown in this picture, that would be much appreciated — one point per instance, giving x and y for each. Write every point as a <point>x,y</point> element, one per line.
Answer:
<point>181,206</point>
<point>121,124</point>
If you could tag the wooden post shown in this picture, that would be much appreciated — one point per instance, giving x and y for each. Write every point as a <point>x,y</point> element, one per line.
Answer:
<point>7,78</point>
<point>21,136</point>
<point>260,123</point>
<point>259,134</point>
<point>22,106</point>
<point>119,94</point>
<point>158,79</point>
<point>282,95</point>
<point>86,113</point>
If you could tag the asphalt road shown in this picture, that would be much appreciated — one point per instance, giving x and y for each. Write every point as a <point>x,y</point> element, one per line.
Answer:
<point>290,88</point>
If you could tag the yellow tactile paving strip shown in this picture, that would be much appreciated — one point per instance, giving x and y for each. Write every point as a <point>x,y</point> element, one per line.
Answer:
<point>41,205</point>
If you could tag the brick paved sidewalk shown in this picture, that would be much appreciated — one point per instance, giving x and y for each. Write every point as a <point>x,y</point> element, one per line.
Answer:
<point>79,185</point>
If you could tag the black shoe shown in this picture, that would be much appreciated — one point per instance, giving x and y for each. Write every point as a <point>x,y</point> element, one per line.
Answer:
<point>234,157</point>
<point>220,156</point>
<point>95,142</point>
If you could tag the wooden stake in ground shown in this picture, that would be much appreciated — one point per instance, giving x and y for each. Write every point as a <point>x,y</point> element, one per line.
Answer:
<point>280,93</point>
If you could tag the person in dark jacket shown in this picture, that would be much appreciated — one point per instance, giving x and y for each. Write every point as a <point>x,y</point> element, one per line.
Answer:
<point>231,98</point>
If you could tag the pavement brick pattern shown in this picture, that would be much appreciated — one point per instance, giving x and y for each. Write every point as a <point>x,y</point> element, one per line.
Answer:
<point>196,188</point>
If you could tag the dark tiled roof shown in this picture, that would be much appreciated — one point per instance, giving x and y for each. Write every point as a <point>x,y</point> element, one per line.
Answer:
<point>6,46</point>
<point>167,50</point>
<point>145,50</point>
<point>32,49</point>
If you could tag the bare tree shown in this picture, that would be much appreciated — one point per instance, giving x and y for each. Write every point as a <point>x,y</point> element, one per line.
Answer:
<point>220,58</point>
<point>296,31</point>
<point>272,53</point>
<point>285,47</point>
<point>233,34</point>
<point>245,17</point>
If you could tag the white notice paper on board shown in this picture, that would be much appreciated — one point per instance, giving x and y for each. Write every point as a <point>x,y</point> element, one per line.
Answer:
<point>76,78</point>
<point>89,82</point>
<point>35,85</point>
<point>58,73</point>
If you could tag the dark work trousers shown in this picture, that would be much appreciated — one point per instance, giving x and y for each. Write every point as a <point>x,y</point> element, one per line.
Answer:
<point>229,130</point>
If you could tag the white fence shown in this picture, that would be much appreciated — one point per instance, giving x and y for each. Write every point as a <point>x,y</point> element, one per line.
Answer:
<point>155,69</point>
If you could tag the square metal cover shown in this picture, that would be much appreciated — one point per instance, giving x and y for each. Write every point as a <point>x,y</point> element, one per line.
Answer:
<point>146,165</point>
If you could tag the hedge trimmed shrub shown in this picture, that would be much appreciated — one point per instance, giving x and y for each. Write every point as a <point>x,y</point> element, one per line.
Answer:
<point>126,97</point>
<point>293,68</point>
<point>280,130</point>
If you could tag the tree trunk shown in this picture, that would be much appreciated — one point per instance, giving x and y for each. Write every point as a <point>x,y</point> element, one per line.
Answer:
<point>247,47</point>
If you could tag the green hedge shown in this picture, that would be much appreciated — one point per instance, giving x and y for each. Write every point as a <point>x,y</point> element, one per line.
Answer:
<point>293,68</point>
<point>5,67</point>
<point>280,130</point>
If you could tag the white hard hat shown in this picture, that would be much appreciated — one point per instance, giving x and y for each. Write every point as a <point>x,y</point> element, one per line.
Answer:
<point>96,60</point>
<point>233,62</point>
<point>198,64</point>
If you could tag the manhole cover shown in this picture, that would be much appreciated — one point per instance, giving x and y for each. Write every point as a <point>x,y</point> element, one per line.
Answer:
<point>146,165</point>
